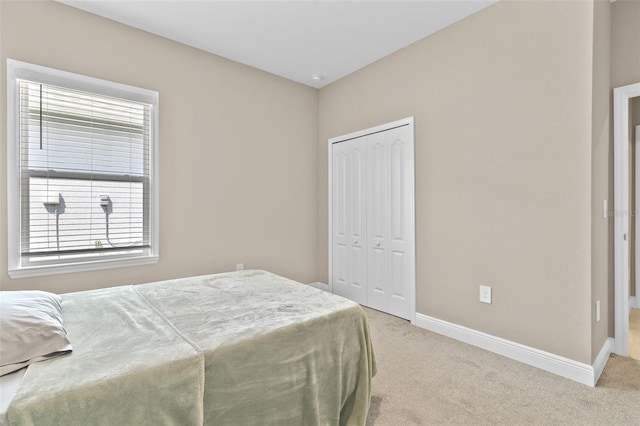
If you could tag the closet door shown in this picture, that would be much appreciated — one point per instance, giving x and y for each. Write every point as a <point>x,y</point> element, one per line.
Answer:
<point>372,239</point>
<point>348,211</point>
<point>390,276</point>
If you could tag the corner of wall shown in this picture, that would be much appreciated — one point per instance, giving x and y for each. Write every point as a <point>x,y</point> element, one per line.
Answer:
<point>601,175</point>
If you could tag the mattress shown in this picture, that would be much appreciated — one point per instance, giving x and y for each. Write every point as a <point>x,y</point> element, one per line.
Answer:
<point>8,386</point>
<point>247,347</point>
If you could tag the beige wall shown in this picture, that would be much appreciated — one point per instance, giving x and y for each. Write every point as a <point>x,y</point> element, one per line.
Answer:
<point>238,170</point>
<point>625,49</point>
<point>625,42</point>
<point>601,130</point>
<point>502,105</point>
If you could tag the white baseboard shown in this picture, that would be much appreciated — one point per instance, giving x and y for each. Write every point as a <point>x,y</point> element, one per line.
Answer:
<point>321,286</point>
<point>601,360</point>
<point>565,367</point>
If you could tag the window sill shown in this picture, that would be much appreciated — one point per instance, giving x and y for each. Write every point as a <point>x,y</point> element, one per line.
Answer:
<point>36,271</point>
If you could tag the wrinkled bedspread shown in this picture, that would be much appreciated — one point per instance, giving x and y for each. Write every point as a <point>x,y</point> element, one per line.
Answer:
<point>241,348</point>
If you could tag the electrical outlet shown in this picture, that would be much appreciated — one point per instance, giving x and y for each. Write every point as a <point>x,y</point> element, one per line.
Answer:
<point>485,294</point>
<point>239,266</point>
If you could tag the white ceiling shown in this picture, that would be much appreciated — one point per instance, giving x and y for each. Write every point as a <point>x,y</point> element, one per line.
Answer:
<point>292,39</point>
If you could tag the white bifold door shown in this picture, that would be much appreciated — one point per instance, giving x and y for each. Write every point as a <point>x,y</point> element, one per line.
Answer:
<point>372,241</point>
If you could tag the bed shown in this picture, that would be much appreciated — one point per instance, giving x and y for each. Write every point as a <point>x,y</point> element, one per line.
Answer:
<point>241,348</point>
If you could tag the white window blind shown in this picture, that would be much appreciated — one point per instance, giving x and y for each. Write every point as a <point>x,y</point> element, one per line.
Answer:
<point>85,176</point>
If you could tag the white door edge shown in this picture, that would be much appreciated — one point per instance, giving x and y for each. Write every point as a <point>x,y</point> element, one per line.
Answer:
<point>621,97</point>
<point>634,302</point>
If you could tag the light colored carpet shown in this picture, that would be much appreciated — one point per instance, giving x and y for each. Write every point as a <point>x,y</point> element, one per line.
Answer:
<point>427,379</point>
<point>634,334</point>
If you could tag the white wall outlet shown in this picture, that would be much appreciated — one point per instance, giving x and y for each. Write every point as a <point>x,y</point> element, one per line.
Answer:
<point>605,209</point>
<point>239,266</point>
<point>485,294</point>
<point>597,311</point>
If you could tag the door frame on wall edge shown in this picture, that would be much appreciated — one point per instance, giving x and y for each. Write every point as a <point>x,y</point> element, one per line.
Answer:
<point>621,108</point>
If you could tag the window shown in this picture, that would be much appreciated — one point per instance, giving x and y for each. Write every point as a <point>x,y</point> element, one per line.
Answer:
<point>82,172</point>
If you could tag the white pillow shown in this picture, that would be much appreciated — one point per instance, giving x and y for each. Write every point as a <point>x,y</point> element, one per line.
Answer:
<point>31,329</point>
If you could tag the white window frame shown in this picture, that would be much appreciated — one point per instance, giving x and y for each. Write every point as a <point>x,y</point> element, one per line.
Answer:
<point>17,70</point>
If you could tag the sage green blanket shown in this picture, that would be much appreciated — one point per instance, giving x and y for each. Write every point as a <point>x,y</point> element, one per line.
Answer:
<point>242,348</point>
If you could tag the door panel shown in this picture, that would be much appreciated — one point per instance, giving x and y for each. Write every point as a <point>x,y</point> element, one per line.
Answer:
<point>357,155</point>
<point>340,278</point>
<point>397,274</point>
<point>349,166</point>
<point>377,187</point>
<point>402,241</point>
<point>358,260</point>
<point>339,214</point>
<point>397,193</point>
<point>378,216</point>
